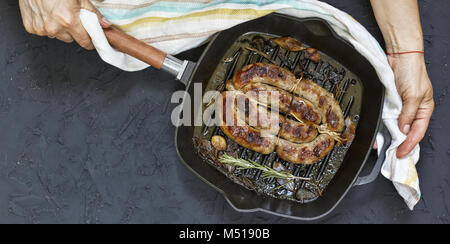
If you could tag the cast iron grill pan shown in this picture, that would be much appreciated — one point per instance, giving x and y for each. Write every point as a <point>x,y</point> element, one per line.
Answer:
<point>328,73</point>
<point>363,100</point>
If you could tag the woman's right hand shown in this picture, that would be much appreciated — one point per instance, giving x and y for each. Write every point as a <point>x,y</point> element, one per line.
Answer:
<point>59,19</point>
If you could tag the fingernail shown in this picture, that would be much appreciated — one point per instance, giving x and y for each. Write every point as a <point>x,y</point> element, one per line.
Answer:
<point>406,129</point>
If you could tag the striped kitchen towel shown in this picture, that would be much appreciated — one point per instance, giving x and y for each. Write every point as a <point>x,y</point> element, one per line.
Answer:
<point>178,25</point>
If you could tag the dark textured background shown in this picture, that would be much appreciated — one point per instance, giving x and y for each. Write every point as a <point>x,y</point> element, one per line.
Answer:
<point>83,142</point>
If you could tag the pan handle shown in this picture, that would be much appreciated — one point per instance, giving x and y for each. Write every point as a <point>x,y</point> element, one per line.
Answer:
<point>364,180</point>
<point>144,52</point>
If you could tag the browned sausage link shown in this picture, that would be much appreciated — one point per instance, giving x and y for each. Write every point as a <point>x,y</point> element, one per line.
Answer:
<point>261,118</point>
<point>256,116</point>
<point>289,104</point>
<point>297,132</point>
<point>243,135</point>
<point>264,73</point>
<point>330,108</point>
<point>306,153</point>
<point>282,78</point>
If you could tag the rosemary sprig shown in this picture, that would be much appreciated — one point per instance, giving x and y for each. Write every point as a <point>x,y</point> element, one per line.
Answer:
<point>267,172</point>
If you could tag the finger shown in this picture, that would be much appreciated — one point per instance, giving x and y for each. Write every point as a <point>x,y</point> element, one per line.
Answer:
<point>417,133</point>
<point>419,126</point>
<point>418,130</point>
<point>64,37</point>
<point>105,23</point>
<point>375,146</point>
<point>80,35</point>
<point>86,4</point>
<point>29,28</point>
<point>52,29</point>
<point>38,28</point>
<point>408,114</point>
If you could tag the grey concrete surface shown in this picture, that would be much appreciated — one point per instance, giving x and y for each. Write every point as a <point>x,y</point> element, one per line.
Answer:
<point>83,142</point>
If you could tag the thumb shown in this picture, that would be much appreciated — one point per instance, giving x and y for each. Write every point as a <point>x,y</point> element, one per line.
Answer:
<point>408,115</point>
<point>86,4</point>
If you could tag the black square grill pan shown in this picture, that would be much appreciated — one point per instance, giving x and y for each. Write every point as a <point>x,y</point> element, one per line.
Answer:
<point>342,67</point>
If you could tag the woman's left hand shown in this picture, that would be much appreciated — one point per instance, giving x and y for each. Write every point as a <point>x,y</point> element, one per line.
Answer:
<point>416,91</point>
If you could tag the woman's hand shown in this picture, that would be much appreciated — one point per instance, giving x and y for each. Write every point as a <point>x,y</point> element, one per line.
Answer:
<point>414,86</point>
<point>400,24</point>
<point>58,19</point>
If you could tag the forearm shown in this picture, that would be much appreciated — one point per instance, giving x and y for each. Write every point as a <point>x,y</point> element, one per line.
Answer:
<point>399,21</point>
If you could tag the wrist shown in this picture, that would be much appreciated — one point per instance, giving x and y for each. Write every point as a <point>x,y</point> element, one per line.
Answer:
<point>404,49</point>
<point>406,43</point>
<point>414,61</point>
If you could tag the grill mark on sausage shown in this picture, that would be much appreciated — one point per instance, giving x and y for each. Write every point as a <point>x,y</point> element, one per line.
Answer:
<point>332,119</point>
<point>323,101</point>
<point>318,149</point>
<point>308,114</point>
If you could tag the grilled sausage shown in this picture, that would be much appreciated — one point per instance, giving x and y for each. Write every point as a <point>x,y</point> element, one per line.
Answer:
<point>306,153</point>
<point>276,76</point>
<point>238,130</point>
<point>254,139</point>
<point>297,132</point>
<point>264,73</point>
<point>287,103</point>
<point>261,118</point>
<point>325,101</point>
